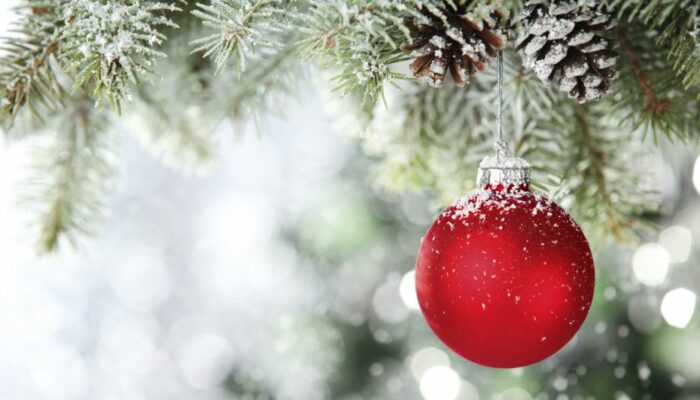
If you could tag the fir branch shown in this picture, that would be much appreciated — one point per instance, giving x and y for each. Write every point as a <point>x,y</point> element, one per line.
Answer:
<point>654,105</point>
<point>72,167</point>
<point>112,44</point>
<point>680,33</point>
<point>583,160</point>
<point>601,175</point>
<point>176,122</point>
<point>674,23</point>
<point>265,88</point>
<point>433,140</point>
<point>27,74</point>
<point>183,139</point>
<point>179,117</point>
<point>360,40</point>
<point>241,27</point>
<point>650,94</point>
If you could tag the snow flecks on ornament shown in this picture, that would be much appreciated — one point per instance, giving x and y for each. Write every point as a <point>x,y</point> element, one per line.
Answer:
<point>481,203</point>
<point>515,253</point>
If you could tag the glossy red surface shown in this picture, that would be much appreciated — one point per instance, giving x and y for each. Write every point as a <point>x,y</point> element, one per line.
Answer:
<point>505,278</point>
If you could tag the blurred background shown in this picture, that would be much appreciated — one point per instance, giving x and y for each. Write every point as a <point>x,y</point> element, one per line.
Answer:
<point>283,274</point>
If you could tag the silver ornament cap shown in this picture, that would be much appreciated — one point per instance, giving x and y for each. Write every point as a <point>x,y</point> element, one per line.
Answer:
<point>503,171</point>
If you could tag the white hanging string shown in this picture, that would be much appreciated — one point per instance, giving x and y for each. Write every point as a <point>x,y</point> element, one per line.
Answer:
<point>500,95</point>
<point>501,145</point>
<point>506,171</point>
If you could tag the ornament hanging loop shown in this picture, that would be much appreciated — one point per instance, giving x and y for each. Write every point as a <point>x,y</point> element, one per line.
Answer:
<point>503,171</point>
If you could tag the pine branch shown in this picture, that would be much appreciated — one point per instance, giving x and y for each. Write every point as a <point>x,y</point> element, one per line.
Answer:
<point>675,25</point>
<point>176,132</point>
<point>241,27</point>
<point>651,95</point>
<point>176,122</point>
<point>27,73</point>
<point>178,117</point>
<point>602,176</point>
<point>111,44</point>
<point>654,106</point>
<point>265,88</point>
<point>71,172</point>
<point>433,139</point>
<point>681,34</point>
<point>361,41</point>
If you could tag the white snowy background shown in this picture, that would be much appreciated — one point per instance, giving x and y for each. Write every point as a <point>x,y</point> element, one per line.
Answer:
<point>184,279</point>
<point>189,279</point>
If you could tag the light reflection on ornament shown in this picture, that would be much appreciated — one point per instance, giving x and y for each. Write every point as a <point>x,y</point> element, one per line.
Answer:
<point>678,306</point>
<point>650,264</point>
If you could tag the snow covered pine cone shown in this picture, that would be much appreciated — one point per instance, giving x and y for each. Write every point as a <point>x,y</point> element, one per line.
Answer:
<point>451,38</point>
<point>559,38</point>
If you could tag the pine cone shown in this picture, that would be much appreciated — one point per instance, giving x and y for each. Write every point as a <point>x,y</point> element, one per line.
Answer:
<point>463,43</point>
<point>559,39</point>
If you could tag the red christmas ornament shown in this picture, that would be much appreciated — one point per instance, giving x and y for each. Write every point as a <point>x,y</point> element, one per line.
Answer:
<point>504,276</point>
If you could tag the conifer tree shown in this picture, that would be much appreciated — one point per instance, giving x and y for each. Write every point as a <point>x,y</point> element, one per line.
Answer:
<point>72,68</point>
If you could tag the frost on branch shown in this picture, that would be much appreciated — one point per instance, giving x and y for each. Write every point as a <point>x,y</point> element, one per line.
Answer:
<point>27,73</point>
<point>70,174</point>
<point>240,27</point>
<point>112,44</point>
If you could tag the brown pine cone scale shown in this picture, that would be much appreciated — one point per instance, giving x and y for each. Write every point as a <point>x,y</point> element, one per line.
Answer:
<point>457,40</point>
<point>559,39</point>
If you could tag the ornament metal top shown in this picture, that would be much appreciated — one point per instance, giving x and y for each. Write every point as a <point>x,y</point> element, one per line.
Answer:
<point>503,172</point>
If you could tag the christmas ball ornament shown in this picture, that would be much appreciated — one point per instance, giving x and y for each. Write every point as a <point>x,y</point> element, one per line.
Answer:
<point>504,276</point>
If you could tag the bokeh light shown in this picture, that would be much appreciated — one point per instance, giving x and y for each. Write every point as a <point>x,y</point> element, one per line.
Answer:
<point>407,289</point>
<point>440,383</point>
<point>514,394</point>
<point>426,358</point>
<point>677,241</point>
<point>650,264</point>
<point>696,174</point>
<point>204,359</point>
<point>141,279</point>
<point>678,306</point>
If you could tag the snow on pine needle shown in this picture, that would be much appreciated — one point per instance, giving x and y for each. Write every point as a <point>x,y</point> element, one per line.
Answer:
<point>28,77</point>
<point>240,27</point>
<point>359,41</point>
<point>113,44</point>
<point>70,174</point>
